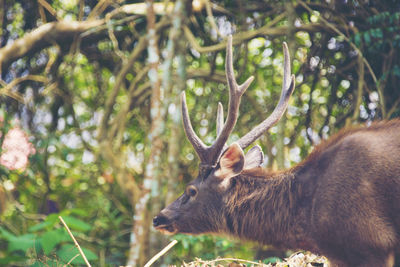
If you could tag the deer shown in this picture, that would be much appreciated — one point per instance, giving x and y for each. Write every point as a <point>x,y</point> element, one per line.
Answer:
<point>342,201</point>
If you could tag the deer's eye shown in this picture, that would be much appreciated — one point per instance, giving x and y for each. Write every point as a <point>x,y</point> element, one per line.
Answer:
<point>191,191</point>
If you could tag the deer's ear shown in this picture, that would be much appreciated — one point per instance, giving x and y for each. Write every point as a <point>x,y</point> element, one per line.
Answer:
<point>231,162</point>
<point>254,158</point>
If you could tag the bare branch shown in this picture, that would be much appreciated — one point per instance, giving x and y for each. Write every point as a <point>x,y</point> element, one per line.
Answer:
<point>43,36</point>
<point>7,89</point>
<point>360,87</point>
<point>48,7</point>
<point>211,18</point>
<point>76,242</point>
<point>248,35</point>
<point>162,252</point>
<point>99,8</point>
<point>336,30</point>
<point>140,46</point>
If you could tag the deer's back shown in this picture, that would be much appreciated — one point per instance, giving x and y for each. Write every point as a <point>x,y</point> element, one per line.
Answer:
<point>356,200</point>
<point>364,163</point>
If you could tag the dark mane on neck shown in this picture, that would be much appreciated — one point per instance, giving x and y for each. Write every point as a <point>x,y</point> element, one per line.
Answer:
<point>259,172</point>
<point>261,202</point>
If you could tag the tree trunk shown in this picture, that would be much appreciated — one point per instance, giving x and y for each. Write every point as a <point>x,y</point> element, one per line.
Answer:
<point>176,48</point>
<point>138,253</point>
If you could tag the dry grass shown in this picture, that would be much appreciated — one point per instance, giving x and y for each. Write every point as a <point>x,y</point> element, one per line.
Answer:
<point>299,259</point>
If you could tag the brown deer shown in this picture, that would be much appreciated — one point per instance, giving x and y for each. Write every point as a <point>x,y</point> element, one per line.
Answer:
<point>342,201</point>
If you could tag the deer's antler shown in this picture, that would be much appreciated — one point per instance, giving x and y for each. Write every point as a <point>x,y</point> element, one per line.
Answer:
<point>287,90</point>
<point>209,155</point>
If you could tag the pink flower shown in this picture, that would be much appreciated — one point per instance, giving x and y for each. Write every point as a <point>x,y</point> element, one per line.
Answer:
<point>16,150</point>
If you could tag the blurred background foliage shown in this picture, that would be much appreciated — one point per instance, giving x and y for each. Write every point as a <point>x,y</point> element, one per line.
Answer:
<point>94,85</point>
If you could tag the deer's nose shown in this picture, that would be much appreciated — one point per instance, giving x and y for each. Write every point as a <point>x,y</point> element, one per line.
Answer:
<point>160,220</point>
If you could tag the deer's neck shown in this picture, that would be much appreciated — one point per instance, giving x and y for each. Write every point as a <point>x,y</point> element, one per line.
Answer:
<point>269,208</point>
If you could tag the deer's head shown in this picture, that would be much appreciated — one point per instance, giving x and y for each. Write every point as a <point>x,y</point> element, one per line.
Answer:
<point>200,209</point>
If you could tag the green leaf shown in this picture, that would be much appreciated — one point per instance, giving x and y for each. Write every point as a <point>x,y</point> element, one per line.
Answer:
<point>11,259</point>
<point>76,224</point>
<point>51,239</point>
<point>367,37</point>
<point>79,212</point>
<point>6,234</point>
<point>379,33</point>
<point>373,33</point>
<point>68,251</point>
<point>40,226</point>
<point>23,242</point>
<point>371,19</point>
<point>272,260</point>
<point>396,70</point>
<point>46,263</point>
<point>48,223</point>
<point>357,39</point>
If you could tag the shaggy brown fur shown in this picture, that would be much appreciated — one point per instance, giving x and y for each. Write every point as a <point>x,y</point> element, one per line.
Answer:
<point>333,140</point>
<point>342,201</point>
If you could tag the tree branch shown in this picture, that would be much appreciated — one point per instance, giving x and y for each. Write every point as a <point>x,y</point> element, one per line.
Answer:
<point>245,36</point>
<point>42,37</point>
<point>360,86</point>
<point>7,89</point>
<point>49,8</point>
<point>337,31</point>
<point>141,45</point>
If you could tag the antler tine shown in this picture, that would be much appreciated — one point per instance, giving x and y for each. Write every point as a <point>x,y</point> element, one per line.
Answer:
<point>235,93</point>
<point>220,121</point>
<point>210,155</point>
<point>220,118</point>
<point>286,67</point>
<point>279,110</point>
<point>198,145</point>
<point>234,88</point>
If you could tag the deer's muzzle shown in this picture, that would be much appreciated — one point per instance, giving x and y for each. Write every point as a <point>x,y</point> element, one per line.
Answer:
<point>164,224</point>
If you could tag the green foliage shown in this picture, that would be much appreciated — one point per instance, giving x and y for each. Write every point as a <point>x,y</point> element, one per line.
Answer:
<point>383,30</point>
<point>272,260</point>
<point>207,248</point>
<point>68,251</point>
<point>46,240</point>
<point>18,243</point>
